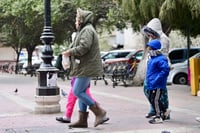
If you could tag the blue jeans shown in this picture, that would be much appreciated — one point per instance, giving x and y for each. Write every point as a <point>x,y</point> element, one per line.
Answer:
<point>163,98</point>
<point>79,89</point>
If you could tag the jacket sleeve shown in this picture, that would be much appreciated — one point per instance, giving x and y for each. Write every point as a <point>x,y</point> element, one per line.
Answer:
<point>165,44</point>
<point>164,71</point>
<point>84,43</point>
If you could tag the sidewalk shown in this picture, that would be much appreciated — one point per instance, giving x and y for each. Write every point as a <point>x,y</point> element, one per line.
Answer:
<point>126,107</point>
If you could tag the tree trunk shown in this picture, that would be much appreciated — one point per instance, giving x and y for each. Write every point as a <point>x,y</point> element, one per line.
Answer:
<point>139,78</point>
<point>18,51</point>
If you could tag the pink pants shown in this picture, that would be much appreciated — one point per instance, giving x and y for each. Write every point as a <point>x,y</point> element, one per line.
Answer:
<point>71,100</point>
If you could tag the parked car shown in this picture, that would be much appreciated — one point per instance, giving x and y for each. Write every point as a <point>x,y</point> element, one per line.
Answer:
<point>179,72</point>
<point>121,53</point>
<point>31,70</point>
<point>178,55</point>
<point>35,61</point>
<point>122,69</point>
<point>137,54</point>
<point>103,53</point>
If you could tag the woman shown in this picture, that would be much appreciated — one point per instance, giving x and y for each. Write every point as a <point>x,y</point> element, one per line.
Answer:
<point>71,100</point>
<point>86,63</point>
<point>153,30</point>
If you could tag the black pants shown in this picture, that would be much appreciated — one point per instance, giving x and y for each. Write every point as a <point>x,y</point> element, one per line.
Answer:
<point>155,100</point>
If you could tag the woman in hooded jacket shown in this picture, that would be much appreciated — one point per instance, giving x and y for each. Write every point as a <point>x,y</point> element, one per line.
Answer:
<point>86,63</point>
<point>153,30</point>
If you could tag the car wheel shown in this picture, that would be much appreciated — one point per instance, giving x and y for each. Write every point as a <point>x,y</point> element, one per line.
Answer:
<point>180,79</point>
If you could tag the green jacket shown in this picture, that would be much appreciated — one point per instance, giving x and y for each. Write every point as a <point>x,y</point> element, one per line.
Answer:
<point>84,51</point>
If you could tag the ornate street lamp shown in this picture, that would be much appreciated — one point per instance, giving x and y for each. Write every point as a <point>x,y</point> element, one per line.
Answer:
<point>47,93</point>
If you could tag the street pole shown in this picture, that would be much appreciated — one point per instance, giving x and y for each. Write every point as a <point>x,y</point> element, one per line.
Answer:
<point>47,93</point>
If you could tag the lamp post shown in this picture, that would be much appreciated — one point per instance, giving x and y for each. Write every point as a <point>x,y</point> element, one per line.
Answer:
<point>47,93</point>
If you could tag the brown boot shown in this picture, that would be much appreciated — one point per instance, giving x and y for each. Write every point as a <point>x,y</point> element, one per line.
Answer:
<point>99,113</point>
<point>82,121</point>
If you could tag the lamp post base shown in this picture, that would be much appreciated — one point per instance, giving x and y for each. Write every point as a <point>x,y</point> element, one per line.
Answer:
<point>47,104</point>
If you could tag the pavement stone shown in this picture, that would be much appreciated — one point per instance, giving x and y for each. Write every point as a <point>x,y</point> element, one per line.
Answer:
<point>126,107</point>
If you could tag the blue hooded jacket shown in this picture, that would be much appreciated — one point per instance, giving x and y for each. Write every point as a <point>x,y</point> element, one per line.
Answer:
<point>157,68</point>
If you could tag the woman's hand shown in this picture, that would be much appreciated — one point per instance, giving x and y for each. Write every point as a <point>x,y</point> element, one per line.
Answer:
<point>66,53</point>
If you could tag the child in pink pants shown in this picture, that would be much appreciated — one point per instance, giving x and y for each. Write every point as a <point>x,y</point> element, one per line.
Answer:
<point>71,100</point>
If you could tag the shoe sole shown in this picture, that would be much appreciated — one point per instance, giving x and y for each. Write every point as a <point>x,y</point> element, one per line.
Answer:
<point>149,116</point>
<point>107,119</point>
<point>63,121</point>
<point>156,122</point>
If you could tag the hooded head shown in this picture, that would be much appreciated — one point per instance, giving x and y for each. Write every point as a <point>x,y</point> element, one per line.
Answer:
<point>148,31</point>
<point>155,25</point>
<point>84,17</point>
<point>154,44</point>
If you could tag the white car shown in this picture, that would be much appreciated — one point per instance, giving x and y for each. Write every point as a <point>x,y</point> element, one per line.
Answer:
<point>178,55</point>
<point>35,60</point>
<point>103,53</point>
<point>179,72</point>
<point>113,54</point>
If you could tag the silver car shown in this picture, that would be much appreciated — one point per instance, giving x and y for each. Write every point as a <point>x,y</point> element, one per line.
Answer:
<point>113,54</point>
<point>179,72</point>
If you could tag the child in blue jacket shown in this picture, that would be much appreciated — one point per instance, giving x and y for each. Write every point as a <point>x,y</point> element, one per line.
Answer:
<point>156,78</point>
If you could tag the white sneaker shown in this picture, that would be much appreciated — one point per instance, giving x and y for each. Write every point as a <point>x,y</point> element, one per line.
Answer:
<point>156,120</point>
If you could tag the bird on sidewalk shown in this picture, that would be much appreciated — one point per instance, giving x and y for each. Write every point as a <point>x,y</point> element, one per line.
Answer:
<point>15,91</point>
<point>64,94</point>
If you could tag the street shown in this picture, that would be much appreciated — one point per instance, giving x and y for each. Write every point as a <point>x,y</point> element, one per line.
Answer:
<point>126,107</point>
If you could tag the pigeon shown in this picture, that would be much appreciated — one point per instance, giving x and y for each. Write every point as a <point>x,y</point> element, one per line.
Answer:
<point>165,132</point>
<point>15,91</point>
<point>63,93</point>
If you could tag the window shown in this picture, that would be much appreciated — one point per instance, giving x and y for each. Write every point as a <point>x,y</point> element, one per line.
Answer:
<point>177,54</point>
<point>193,52</point>
<point>139,55</point>
<point>180,55</point>
<point>118,54</point>
<point>122,54</point>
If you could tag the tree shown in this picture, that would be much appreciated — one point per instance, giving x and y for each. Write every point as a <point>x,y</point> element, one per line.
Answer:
<point>31,14</point>
<point>100,8</point>
<point>22,21</point>
<point>16,24</point>
<point>182,15</point>
<point>12,34</point>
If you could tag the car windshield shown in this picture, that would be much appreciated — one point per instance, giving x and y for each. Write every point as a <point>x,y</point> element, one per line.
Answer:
<point>196,55</point>
<point>116,54</point>
<point>138,54</point>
